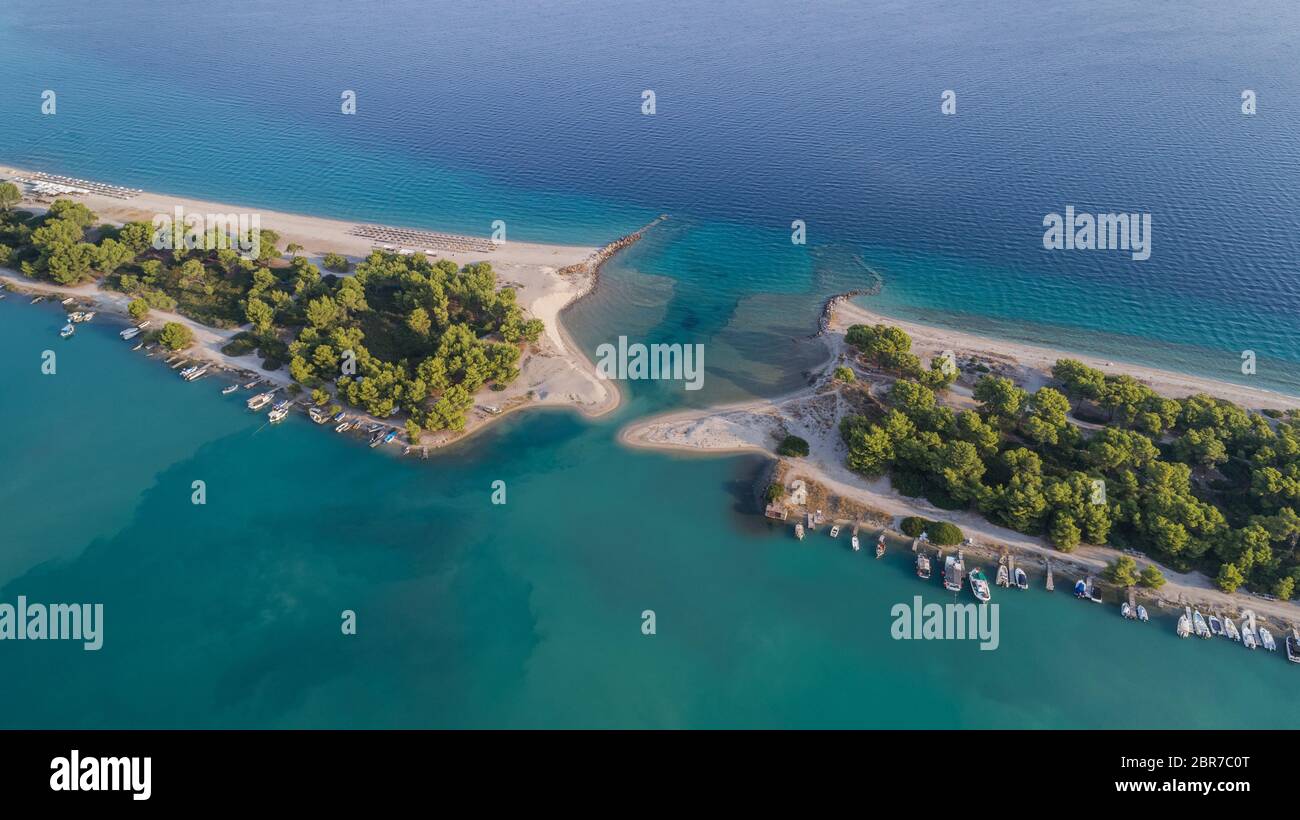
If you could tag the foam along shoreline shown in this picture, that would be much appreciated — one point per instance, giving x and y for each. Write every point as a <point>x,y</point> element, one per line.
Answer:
<point>553,373</point>
<point>813,413</point>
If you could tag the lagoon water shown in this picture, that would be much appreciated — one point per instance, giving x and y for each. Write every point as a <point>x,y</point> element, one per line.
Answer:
<point>529,614</point>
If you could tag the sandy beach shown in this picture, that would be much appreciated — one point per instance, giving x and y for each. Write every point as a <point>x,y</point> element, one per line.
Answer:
<point>553,373</point>
<point>813,413</point>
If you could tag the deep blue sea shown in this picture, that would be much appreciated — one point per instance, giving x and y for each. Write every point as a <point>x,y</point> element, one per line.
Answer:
<point>766,113</point>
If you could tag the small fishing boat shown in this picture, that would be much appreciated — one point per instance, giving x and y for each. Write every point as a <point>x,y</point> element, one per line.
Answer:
<point>1230,630</point>
<point>1216,626</point>
<point>857,545</point>
<point>1248,638</point>
<point>342,428</point>
<point>67,331</point>
<point>187,371</point>
<point>277,414</point>
<point>952,572</point>
<point>1293,647</point>
<point>339,416</point>
<point>226,391</point>
<point>390,435</point>
<point>1142,614</point>
<point>1094,594</point>
<point>197,374</point>
<point>377,436</point>
<point>252,384</point>
<point>76,317</point>
<point>1022,580</point>
<point>1266,639</point>
<point>1004,577</point>
<point>67,301</point>
<point>798,528</point>
<point>259,401</point>
<point>88,316</point>
<point>1199,625</point>
<point>1126,611</point>
<point>130,333</point>
<point>283,405</point>
<point>1080,589</point>
<point>318,415</point>
<point>979,585</point>
<point>923,566</point>
<point>143,325</point>
<point>880,545</point>
<point>835,531</point>
<point>1184,625</point>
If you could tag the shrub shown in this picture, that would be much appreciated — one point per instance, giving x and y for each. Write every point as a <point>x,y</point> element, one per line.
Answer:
<point>913,525</point>
<point>844,374</point>
<point>793,446</point>
<point>943,533</point>
<point>176,336</point>
<point>336,262</point>
<point>775,492</point>
<point>138,309</point>
<point>1151,577</point>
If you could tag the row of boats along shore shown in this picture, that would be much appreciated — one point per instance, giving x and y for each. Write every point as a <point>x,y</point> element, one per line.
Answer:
<point>193,371</point>
<point>955,578</point>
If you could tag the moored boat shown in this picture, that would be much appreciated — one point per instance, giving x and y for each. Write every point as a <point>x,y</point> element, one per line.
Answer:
<point>1080,589</point>
<point>342,428</point>
<point>1248,638</point>
<point>1004,577</point>
<point>1230,630</point>
<point>979,585</point>
<point>923,566</point>
<point>952,572</point>
<point>1094,594</point>
<point>1126,611</point>
<point>130,333</point>
<point>1216,626</point>
<point>880,545</point>
<point>1022,580</point>
<point>376,437</point>
<point>67,331</point>
<point>1184,625</point>
<point>798,528</point>
<point>1142,614</point>
<point>226,391</point>
<point>835,531</point>
<point>390,435</point>
<point>1293,647</point>
<point>855,543</point>
<point>1266,639</point>
<point>277,414</point>
<point>259,401</point>
<point>1199,626</point>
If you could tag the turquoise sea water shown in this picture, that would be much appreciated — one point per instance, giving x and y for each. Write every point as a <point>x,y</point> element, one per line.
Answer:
<point>528,614</point>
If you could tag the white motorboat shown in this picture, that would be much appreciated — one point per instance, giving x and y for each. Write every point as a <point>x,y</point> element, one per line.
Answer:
<point>1216,626</point>
<point>953,569</point>
<point>979,585</point>
<point>1248,638</point>
<point>1230,630</point>
<point>1022,580</point>
<point>277,414</point>
<point>923,566</point>
<point>1142,614</point>
<point>1266,639</point>
<point>226,391</point>
<point>1126,611</point>
<point>1184,624</point>
<point>1198,624</point>
<point>130,333</point>
<point>67,331</point>
<point>835,531</point>
<point>857,545</point>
